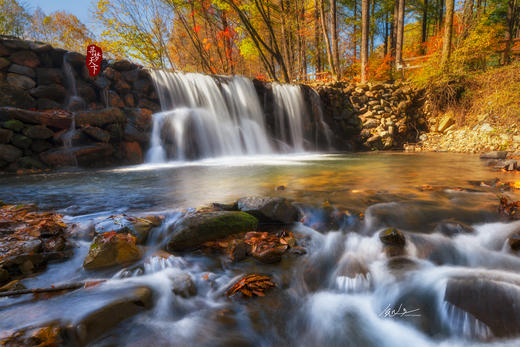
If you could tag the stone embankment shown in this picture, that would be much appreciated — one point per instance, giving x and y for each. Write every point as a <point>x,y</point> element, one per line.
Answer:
<point>373,116</point>
<point>53,114</point>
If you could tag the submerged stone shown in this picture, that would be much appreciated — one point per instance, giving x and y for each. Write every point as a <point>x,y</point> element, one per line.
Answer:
<point>195,229</point>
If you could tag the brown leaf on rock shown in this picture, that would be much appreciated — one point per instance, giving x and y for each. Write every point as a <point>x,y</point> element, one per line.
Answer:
<point>509,209</point>
<point>252,285</point>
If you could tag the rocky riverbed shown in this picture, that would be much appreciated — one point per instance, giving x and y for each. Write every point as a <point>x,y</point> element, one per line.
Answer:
<point>321,254</point>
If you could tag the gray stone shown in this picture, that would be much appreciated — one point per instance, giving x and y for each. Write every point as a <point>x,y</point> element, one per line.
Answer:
<point>270,209</point>
<point>25,58</point>
<point>9,153</point>
<point>54,92</point>
<point>49,76</point>
<point>22,70</point>
<point>494,155</point>
<point>21,141</point>
<point>20,81</point>
<point>40,132</point>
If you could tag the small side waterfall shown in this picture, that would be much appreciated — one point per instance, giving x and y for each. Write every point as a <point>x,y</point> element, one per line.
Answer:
<point>207,116</point>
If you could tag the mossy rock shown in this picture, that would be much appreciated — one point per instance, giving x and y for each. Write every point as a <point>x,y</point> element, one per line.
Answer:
<point>111,249</point>
<point>195,229</point>
<point>13,124</point>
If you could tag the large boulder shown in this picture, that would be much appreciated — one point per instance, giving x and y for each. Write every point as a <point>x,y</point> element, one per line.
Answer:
<point>111,249</point>
<point>126,303</point>
<point>54,92</point>
<point>20,81</point>
<point>40,132</point>
<point>268,209</point>
<point>49,76</point>
<point>25,58</point>
<point>197,228</point>
<point>100,118</point>
<point>21,141</point>
<point>88,156</point>
<point>14,96</point>
<point>9,153</point>
<point>22,70</point>
<point>97,134</point>
<point>494,302</point>
<point>43,118</point>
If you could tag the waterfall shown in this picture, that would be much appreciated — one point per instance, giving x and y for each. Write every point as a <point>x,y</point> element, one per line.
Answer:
<point>210,116</point>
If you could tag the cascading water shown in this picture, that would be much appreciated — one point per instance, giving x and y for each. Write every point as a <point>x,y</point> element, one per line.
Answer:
<point>205,116</point>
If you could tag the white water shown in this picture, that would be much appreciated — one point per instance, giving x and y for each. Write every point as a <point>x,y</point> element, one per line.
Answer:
<point>205,116</point>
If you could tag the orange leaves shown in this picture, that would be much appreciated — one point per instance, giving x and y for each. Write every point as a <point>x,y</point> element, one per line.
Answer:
<point>252,285</point>
<point>509,209</point>
<point>113,236</point>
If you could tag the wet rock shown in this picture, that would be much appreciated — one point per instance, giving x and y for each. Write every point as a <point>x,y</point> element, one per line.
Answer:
<point>493,302</point>
<point>13,96</point>
<point>111,249</point>
<point>114,100</point>
<point>9,153</point>
<point>392,237</point>
<point>87,156</point>
<point>238,251</point>
<point>116,131</point>
<point>195,229</point>
<point>100,118</point>
<point>224,207</point>
<point>53,120</point>
<point>268,255</point>
<point>268,209</point>
<point>142,86</point>
<point>452,228</point>
<point>138,227</point>
<point>514,241</point>
<point>13,285</point>
<point>40,132</point>
<point>20,81</point>
<point>132,152</point>
<point>25,58</point>
<point>182,285</point>
<point>97,134</point>
<point>494,155</point>
<point>54,92</point>
<point>126,304</point>
<point>5,135</point>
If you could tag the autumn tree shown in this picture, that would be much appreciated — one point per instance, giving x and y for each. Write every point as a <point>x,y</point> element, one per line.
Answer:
<point>14,18</point>
<point>139,29</point>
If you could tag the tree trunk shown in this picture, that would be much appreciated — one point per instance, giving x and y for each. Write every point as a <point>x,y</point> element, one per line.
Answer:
<point>327,41</point>
<point>334,37</point>
<point>365,21</point>
<point>440,15</point>
<point>372,26</point>
<point>354,39</point>
<point>425,22</point>
<point>393,28</point>
<point>448,33</point>
<point>317,45</point>
<point>386,33</point>
<point>400,36</point>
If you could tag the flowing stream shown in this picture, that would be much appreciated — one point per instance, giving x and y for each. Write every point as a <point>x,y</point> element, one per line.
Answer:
<point>340,293</point>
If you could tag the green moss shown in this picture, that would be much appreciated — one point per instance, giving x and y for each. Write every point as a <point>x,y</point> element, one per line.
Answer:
<point>13,124</point>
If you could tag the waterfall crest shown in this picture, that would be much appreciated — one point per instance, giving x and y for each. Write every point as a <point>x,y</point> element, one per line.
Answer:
<point>206,116</point>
